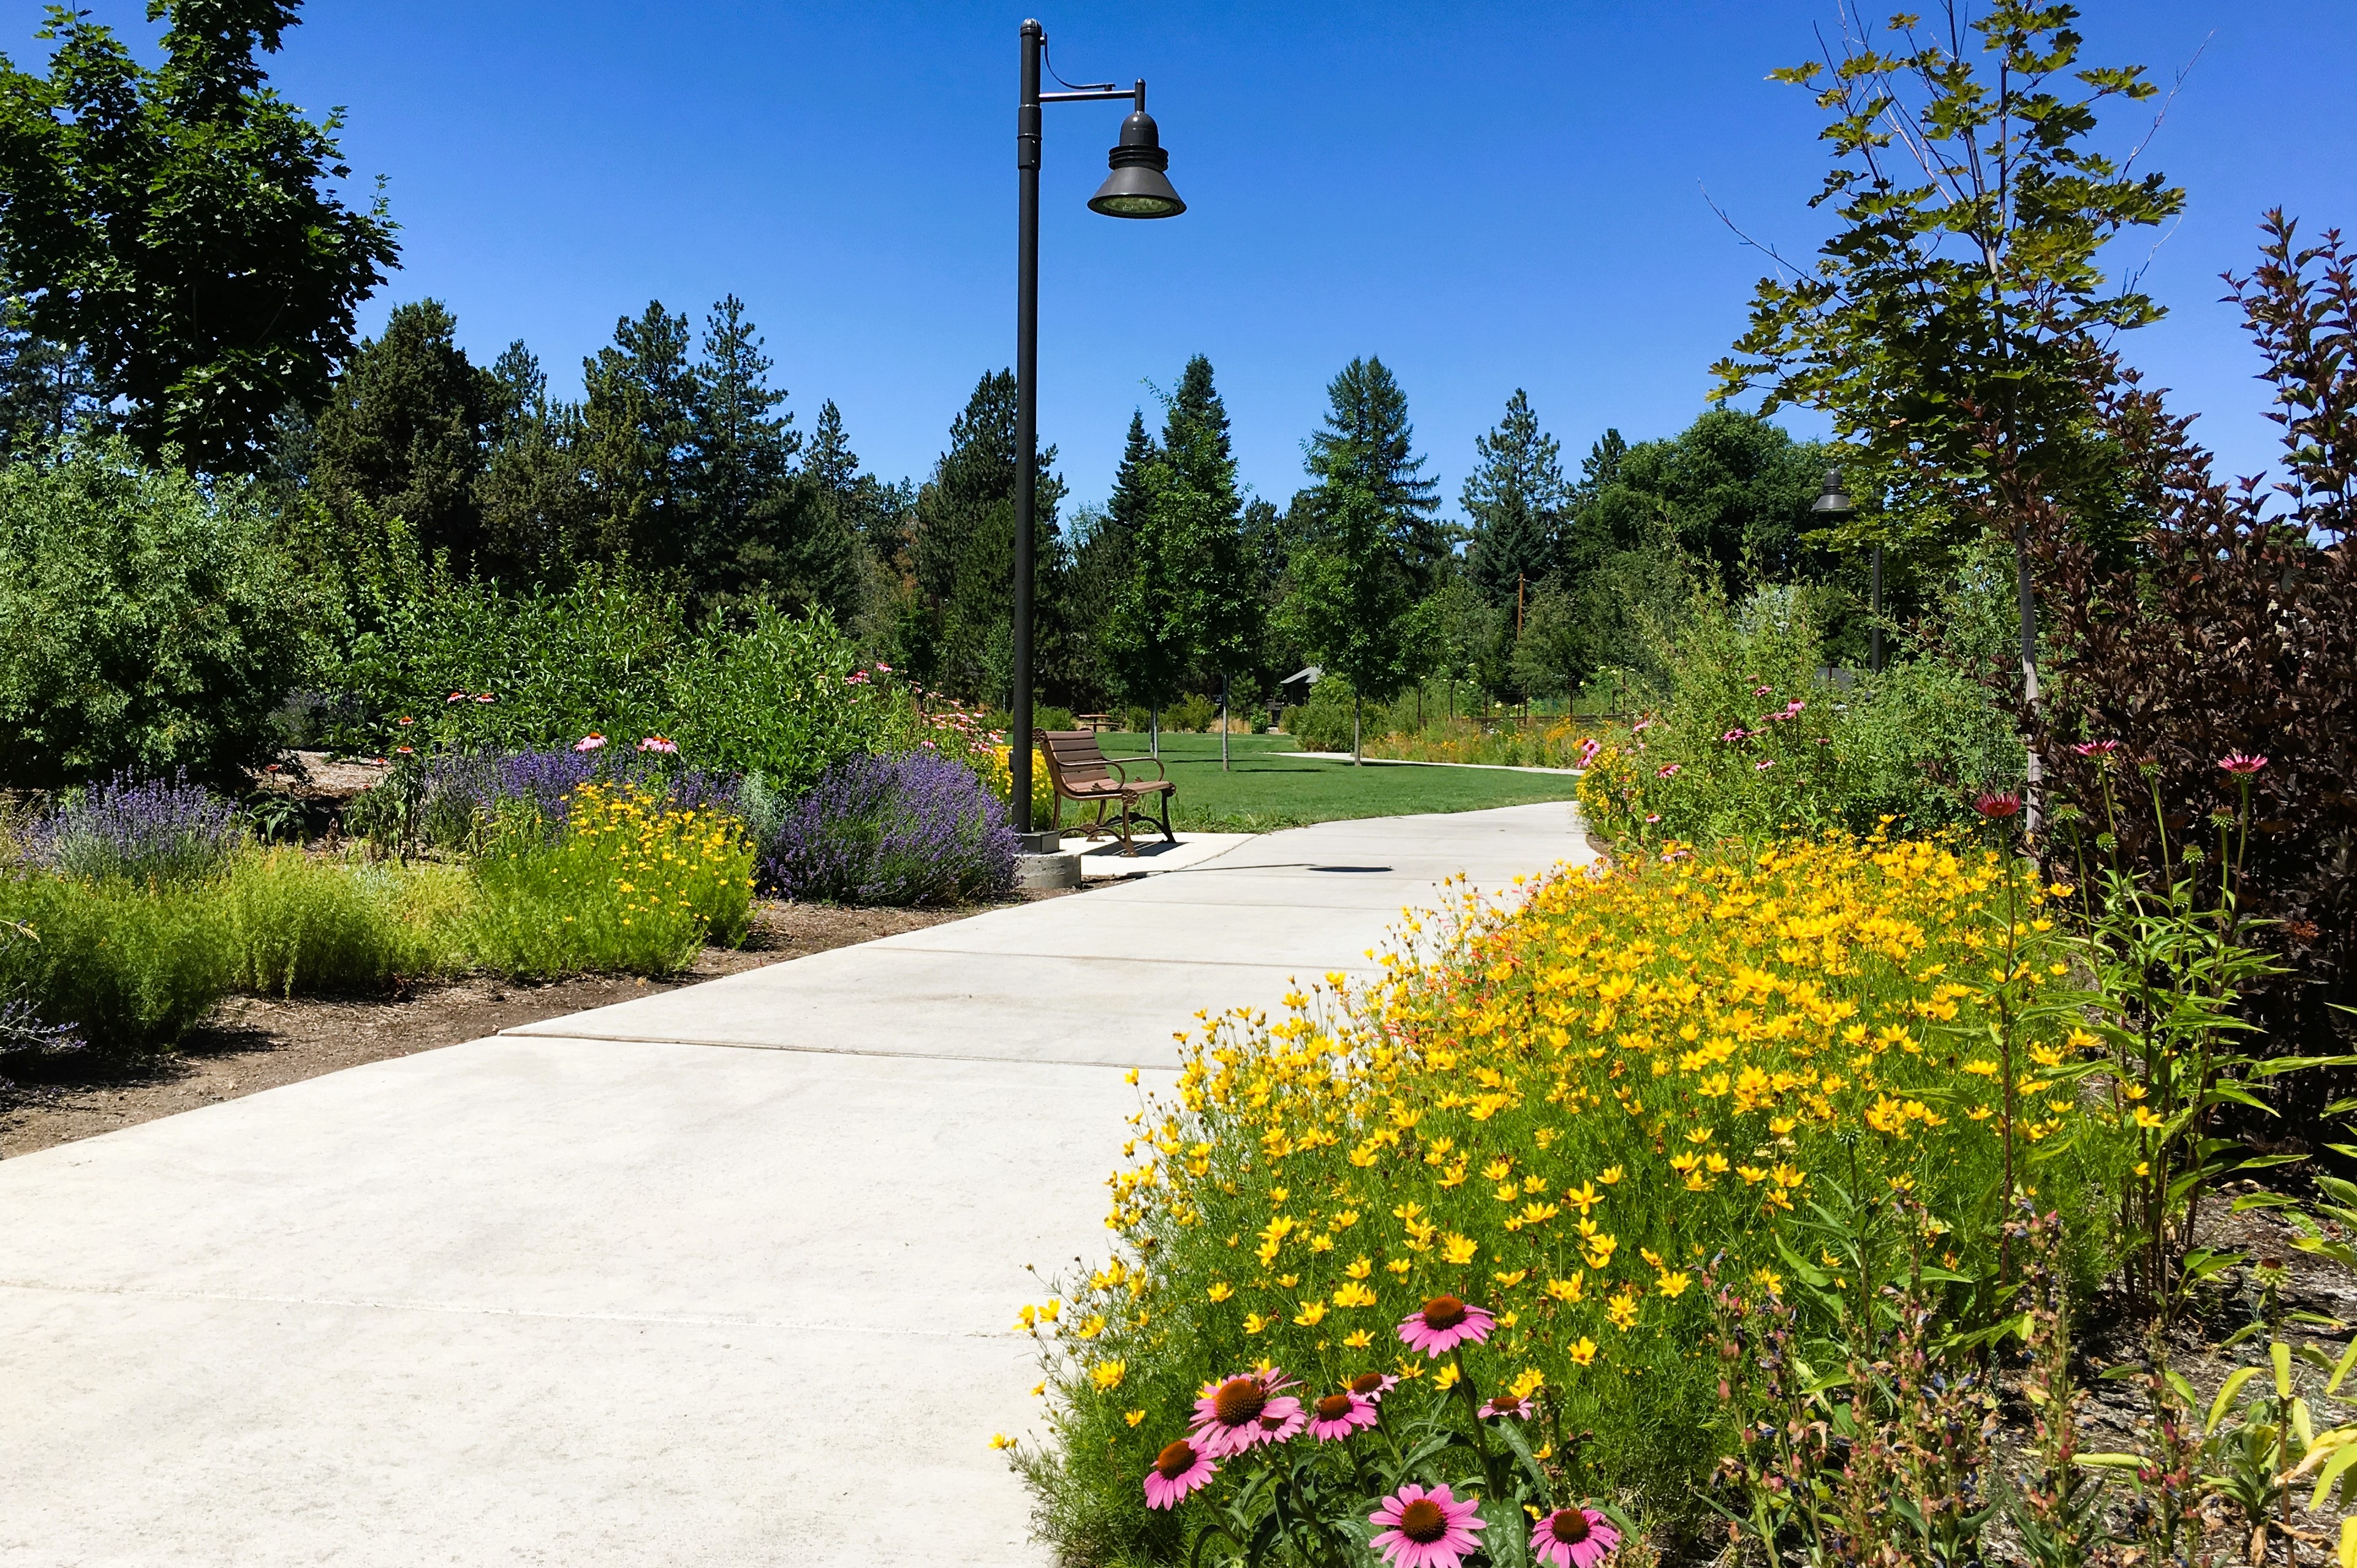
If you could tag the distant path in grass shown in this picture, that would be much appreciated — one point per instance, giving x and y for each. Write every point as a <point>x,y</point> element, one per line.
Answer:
<point>1268,788</point>
<point>1344,757</point>
<point>719,1277</point>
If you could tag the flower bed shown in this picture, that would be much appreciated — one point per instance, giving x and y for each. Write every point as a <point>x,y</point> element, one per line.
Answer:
<point>1583,1113</point>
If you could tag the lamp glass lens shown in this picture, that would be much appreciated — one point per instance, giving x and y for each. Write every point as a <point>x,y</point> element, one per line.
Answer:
<point>1133,206</point>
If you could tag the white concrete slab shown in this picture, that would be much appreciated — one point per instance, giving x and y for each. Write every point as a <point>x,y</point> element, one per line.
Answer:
<point>598,1293</point>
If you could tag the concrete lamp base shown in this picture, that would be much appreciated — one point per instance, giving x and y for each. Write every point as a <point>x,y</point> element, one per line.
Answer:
<point>1048,870</point>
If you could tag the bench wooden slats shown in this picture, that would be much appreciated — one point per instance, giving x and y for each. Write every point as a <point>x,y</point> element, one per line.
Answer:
<point>1080,772</point>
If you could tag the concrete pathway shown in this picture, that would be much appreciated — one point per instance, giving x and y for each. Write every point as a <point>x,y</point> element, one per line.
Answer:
<point>605,1291</point>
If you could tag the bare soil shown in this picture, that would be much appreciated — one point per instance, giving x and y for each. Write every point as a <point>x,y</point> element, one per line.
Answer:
<point>252,1043</point>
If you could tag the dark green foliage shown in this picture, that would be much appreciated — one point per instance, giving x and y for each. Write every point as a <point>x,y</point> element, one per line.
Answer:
<point>1516,499</point>
<point>965,544</point>
<point>407,428</point>
<point>175,226</point>
<point>1353,606</point>
<point>637,425</point>
<point>45,391</point>
<point>146,624</point>
<point>535,511</point>
<point>1367,446</point>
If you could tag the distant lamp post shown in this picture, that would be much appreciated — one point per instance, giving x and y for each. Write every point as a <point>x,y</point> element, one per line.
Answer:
<point>1139,187</point>
<point>1834,503</point>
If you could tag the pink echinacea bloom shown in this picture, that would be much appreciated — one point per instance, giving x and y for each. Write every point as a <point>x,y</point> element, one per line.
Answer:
<point>1443,1324</point>
<point>1372,1386</point>
<point>1763,765</point>
<point>1573,1538</point>
<point>1998,807</point>
<point>2096,747</point>
<point>1666,771</point>
<point>663,744</point>
<point>1761,690</point>
<point>1338,1415</point>
<point>1426,1528</point>
<point>485,698</point>
<point>1506,1404</point>
<point>1242,1412</point>
<point>1735,734</point>
<point>593,741</point>
<point>454,697</point>
<point>2236,762</point>
<point>1176,1471</point>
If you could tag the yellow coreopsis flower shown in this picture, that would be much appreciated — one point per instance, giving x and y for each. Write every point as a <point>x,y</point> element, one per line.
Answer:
<point>1107,1376</point>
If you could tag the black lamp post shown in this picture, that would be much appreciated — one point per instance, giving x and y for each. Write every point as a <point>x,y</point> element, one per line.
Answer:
<point>1136,188</point>
<point>1835,503</point>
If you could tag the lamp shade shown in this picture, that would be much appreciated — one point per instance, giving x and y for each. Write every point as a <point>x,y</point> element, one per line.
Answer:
<point>1136,187</point>
<point>1834,501</point>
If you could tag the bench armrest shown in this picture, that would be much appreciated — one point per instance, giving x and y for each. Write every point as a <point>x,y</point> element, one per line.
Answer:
<point>1117,764</point>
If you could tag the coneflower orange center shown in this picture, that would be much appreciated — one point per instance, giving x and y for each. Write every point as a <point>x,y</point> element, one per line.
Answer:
<point>1175,1460</point>
<point>1423,1522</point>
<point>1333,1407</point>
<point>1568,1526</point>
<point>1238,1400</point>
<point>1443,1312</point>
<point>1366,1382</point>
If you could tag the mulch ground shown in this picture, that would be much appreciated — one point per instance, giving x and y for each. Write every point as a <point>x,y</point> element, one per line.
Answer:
<point>252,1043</point>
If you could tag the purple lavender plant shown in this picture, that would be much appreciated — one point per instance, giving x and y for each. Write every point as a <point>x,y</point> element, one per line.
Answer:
<point>908,830</point>
<point>466,790</point>
<point>158,829</point>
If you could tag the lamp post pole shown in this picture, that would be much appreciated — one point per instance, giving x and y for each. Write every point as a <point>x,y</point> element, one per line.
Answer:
<point>1135,189</point>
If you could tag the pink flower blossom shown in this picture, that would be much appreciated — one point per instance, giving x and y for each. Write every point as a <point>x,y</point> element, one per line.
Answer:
<point>1338,1415</point>
<point>1998,807</point>
<point>1796,706</point>
<point>405,720</point>
<point>2096,747</point>
<point>884,669</point>
<point>1426,1528</point>
<point>2236,762</point>
<point>1763,765</point>
<point>454,697</point>
<point>1443,1324</point>
<point>1736,734</point>
<point>1761,690</point>
<point>1641,724</point>
<point>1176,1471</point>
<point>663,744</point>
<point>1651,820</point>
<point>593,741</point>
<point>1573,1538</point>
<point>485,698</point>
<point>1499,1405</point>
<point>1588,750</point>
<point>1372,1386</point>
<point>1241,1413</point>
<point>1667,770</point>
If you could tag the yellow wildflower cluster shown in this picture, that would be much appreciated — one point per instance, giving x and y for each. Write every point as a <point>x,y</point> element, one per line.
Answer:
<point>1583,1111</point>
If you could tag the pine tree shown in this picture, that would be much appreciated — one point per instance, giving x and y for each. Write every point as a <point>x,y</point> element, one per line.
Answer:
<point>406,431</point>
<point>46,389</point>
<point>1128,502</point>
<point>1516,498</point>
<point>534,502</point>
<point>637,426</point>
<point>965,543</point>
<point>746,532</point>
<point>1353,606</point>
<point>1368,444</point>
<point>1220,606</point>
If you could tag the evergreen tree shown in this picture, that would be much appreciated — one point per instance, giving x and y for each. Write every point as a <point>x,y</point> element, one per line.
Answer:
<point>406,429</point>
<point>533,500</point>
<point>637,428</point>
<point>1128,503</point>
<point>1367,444</point>
<point>1516,498</point>
<point>748,530</point>
<point>1220,606</point>
<point>1353,606</point>
<point>175,225</point>
<point>1602,466</point>
<point>46,389</point>
<point>870,516</point>
<point>964,546</point>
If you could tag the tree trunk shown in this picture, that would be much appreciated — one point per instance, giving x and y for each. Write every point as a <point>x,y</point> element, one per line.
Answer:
<point>1223,721</point>
<point>1154,730</point>
<point>2026,596</point>
<point>1358,757</point>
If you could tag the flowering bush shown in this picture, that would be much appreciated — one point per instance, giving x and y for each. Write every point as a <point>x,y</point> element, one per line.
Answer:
<point>1580,1109</point>
<point>1544,743</point>
<point>152,830</point>
<point>915,829</point>
<point>631,882</point>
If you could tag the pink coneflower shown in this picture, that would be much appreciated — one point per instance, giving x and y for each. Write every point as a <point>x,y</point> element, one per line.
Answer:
<point>658,743</point>
<point>404,719</point>
<point>1338,1415</point>
<point>1998,807</point>
<point>1651,820</point>
<point>1761,690</point>
<point>1282,1421</point>
<point>454,697</point>
<point>1588,750</point>
<point>593,741</point>
<point>1763,765</point>
<point>1641,724</point>
<point>1507,1405</point>
<point>1666,771</point>
<point>1232,1417</point>
<point>1372,1386</point>
<point>1825,740</point>
<point>485,698</point>
<point>883,670</point>
<point>1796,706</point>
<point>2096,747</point>
<point>1443,1324</point>
<point>405,751</point>
<point>1736,734</point>
<point>1573,1538</point>
<point>1425,1530</point>
<point>2236,762</point>
<point>1177,1470</point>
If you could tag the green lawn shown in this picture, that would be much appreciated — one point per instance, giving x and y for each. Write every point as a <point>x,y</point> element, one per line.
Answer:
<point>1265,791</point>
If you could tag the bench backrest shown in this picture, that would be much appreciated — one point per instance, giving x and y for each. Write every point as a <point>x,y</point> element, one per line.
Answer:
<point>1073,757</point>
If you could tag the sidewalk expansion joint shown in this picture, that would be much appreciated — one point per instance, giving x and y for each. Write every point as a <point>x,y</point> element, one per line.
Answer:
<point>469,1309</point>
<point>534,1032</point>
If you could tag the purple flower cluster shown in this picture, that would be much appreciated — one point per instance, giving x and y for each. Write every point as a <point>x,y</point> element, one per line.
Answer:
<point>158,829</point>
<point>915,829</point>
<point>463,789</point>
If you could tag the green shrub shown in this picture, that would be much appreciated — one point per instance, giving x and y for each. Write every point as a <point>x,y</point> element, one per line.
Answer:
<point>1193,714</point>
<point>1323,723</point>
<point>301,924</point>
<point>131,967</point>
<point>632,885</point>
<point>786,698</point>
<point>147,624</point>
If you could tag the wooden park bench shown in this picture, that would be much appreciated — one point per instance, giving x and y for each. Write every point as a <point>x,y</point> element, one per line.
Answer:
<point>1081,773</point>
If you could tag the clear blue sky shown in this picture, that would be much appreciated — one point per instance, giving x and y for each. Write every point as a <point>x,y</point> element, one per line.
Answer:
<point>1487,196</point>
